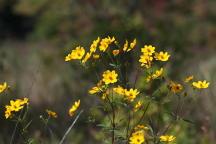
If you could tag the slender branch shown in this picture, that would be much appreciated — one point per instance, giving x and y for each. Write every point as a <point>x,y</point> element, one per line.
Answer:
<point>71,126</point>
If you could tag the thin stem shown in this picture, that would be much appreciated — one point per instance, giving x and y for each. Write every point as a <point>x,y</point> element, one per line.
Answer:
<point>71,126</point>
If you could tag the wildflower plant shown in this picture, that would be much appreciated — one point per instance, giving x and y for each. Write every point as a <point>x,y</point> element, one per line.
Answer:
<point>124,100</point>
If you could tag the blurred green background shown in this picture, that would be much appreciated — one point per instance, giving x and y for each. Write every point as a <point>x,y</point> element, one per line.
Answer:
<point>35,36</point>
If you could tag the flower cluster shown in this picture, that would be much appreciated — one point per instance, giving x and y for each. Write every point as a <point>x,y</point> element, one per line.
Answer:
<point>120,94</point>
<point>15,106</point>
<point>146,59</point>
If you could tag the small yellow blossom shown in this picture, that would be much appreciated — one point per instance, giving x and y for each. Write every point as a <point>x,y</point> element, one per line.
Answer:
<point>188,79</point>
<point>74,108</point>
<point>96,56</point>
<point>94,44</point>
<point>175,87</point>
<point>109,77</point>
<point>105,43</point>
<point>131,94</point>
<point>146,60</point>
<point>119,90</point>
<point>132,44</point>
<point>167,138</point>
<point>116,52</point>
<point>87,56</point>
<point>78,53</point>
<point>162,56</point>
<point>125,46</point>
<point>51,113</point>
<point>16,106</point>
<point>137,106</point>
<point>141,127</point>
<point>148,78</point>
<point>201,84</point>
<point>157,73</point>
<point>3,87</point>
<point>148,49</point>
<point>137,138</point>
<point>94,90</point>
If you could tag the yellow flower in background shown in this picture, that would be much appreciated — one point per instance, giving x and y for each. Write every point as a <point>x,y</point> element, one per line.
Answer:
<point>94,45</point>
<point>131,94</point>
<point>3,87</point>
<point>137,138</point>
<point>188,79</point>
<point>119,90</point>
<point>51,113</point>
<point>74,108</point>
<point>175,87</point>
<point>201,84</point>
<point>16,106</point>
<point>115,52</point>
<point>141,127</point>
<point>96,56</point>
<point>162,56</point>
<point>157,73</point>
<point>146,60</point>
<point>148,50</point>
<point>87,56</point>
<point>125,46</point>
<point>105,42</point>
<point>78,53</point>
<point>167,138</point>
<point>137,106</point>
<point>109,77</point>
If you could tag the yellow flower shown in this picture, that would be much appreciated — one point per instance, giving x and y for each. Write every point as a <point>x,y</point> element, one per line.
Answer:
<point>125,46</point>
<point>167,138</point>
<point>141,127</point>
<point>188,79</point>
<point>175,87</point>
<point>95,56</point>
<point>157,73</point>
<point>109,77</point>
<point>51,113</point>
<point>115,52</point>
<point>78,53</point>
<point>74,108</point>
<point>137,106</point>
<point>3,87</point>
<point>162,56</point>
<point>87,56</point>
<point>132,44</point>
<point>119,90</point>
<point>146,60</point>
<point>131,94</point>
<point>94,44</point>
<point>148,78</point>
<point>148,49</point>
<point>137,138</point>
<point>105,43</point>
<point>16,105</point>
<point>94,90</point>
<point>201,84</point>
